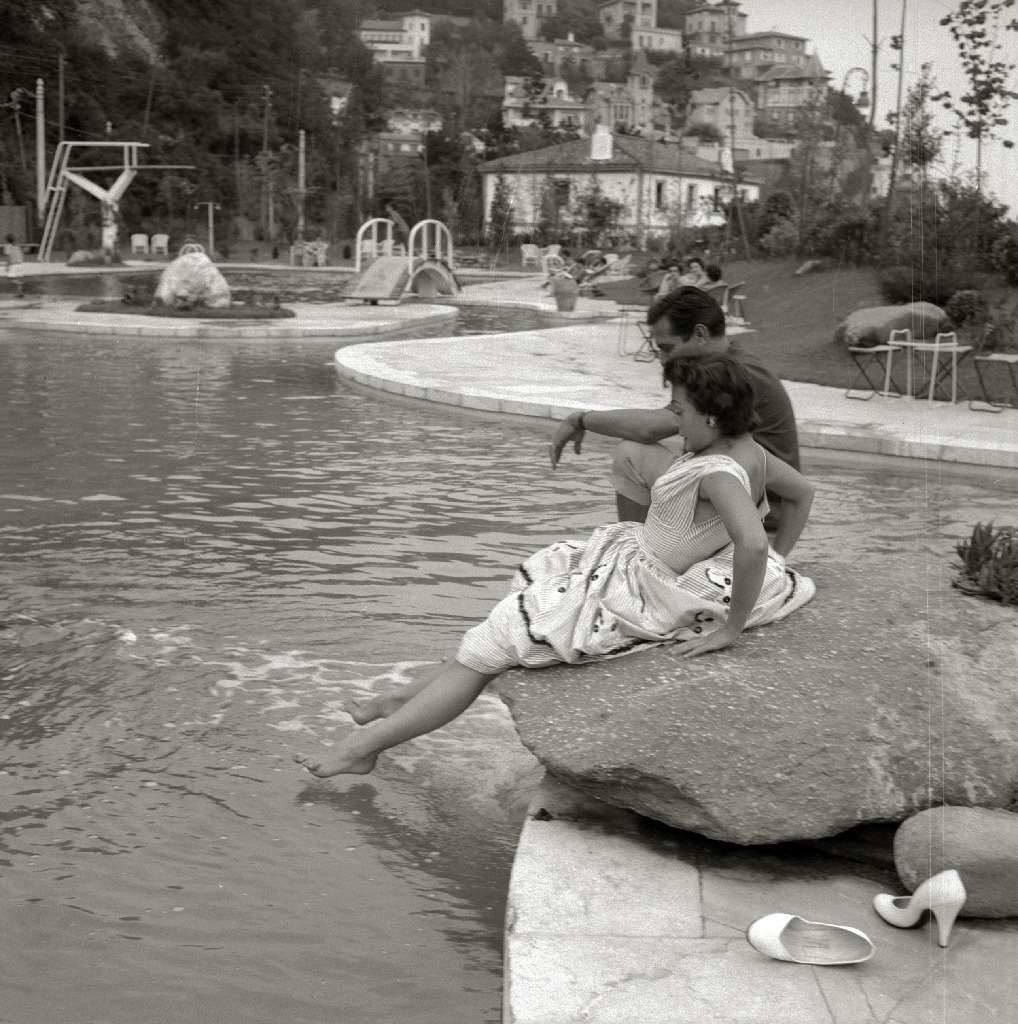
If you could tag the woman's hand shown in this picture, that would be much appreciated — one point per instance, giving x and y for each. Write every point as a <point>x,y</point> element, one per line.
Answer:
<point>568,430</point>
<point>715,641</point>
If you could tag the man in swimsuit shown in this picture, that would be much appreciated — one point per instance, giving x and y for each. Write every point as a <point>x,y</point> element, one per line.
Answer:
<point>686,321</point>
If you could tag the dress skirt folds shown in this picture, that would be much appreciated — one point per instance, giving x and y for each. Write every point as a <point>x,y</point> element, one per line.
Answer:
<point>576,601</point>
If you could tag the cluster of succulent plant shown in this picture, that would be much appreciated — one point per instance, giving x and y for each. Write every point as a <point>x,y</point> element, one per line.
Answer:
<point>989,563</point>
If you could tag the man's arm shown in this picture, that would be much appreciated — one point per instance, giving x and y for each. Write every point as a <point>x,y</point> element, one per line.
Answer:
<point>645,426</point>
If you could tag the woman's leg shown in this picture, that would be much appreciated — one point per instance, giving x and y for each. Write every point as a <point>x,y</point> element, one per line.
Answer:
<point>385,704</point>
<point>446,697</point>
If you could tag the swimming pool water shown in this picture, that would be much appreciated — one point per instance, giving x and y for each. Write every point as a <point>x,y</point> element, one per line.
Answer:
<point>206,548</point>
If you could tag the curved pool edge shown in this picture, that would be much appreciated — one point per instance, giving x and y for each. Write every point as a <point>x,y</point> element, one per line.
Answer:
<point>311,320</point>
<point>550,373</point>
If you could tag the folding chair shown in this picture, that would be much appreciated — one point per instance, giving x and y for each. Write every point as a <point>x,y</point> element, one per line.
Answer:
<point>647,350</point>
<point>883,355</point>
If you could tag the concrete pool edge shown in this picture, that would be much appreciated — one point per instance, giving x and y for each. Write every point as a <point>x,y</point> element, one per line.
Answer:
<point>562,369</point>
<point>611,922</point>
<point>312,320</point>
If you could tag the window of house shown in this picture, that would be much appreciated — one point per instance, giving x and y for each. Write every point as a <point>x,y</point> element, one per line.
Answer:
<point>560,192</point>
<point>659,195</point>
<point>690,195</point>
<point>716,202</point>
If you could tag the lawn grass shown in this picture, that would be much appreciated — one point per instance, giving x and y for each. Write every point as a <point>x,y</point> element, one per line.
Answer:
<point>793,318</point>
<point>793,321</point>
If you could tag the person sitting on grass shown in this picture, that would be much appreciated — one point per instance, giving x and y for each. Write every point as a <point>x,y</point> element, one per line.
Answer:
<point>697,573</point>
<point>684,322</point>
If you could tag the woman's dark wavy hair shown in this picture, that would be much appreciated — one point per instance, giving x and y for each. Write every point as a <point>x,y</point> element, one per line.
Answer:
<point>718,385</point>
<point>685,308</point>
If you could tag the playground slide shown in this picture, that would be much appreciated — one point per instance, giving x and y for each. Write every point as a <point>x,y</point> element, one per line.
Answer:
<point>386,278</point>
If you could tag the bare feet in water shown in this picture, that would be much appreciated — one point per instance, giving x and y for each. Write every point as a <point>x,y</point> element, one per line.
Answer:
<point>381,706</point>
<point>345,759</point>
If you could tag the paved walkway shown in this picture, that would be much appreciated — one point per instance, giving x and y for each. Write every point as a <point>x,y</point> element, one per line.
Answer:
<point>574,365</point>
<point>610,921</point>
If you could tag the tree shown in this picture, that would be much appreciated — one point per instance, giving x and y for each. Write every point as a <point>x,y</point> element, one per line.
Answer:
<point>595,211</point>
<point>500,216</point>
<point>921,140</point>
<point>975,26</point>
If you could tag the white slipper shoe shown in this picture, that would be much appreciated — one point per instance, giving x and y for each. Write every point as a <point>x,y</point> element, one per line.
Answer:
<point>793,938</point>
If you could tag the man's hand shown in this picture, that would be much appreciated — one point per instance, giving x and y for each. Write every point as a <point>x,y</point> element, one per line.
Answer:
<point>568,430</point>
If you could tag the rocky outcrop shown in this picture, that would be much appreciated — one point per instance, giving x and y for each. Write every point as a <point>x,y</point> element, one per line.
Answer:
<point>192,279</point>
<point>878,699</point>
<point>980,844</point>
<point>872,326</point>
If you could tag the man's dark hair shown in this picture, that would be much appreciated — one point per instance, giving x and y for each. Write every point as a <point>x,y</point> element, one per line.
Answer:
<point>685,308</point>
<point>713,271</point>
<point>718,385</point>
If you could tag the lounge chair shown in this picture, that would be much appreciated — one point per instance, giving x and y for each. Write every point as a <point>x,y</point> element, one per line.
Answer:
<point>530,255</point>
<point>160,245</point>
<point>139,245</point>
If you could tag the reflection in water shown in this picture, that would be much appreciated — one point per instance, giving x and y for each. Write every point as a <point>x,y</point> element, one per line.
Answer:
<point>208,548</point>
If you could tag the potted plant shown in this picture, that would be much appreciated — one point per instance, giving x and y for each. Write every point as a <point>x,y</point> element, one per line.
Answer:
<point>565,288</point>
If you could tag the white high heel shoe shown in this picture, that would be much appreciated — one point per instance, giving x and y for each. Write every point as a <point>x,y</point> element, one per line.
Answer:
<point>793,938</point>
<point>943,895</point>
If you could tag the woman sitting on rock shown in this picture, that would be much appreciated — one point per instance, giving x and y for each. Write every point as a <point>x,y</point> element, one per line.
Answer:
<point>698,572</point>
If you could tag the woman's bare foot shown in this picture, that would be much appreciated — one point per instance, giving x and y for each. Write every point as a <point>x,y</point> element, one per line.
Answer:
<point>381,706</point>
<point>345,759</point>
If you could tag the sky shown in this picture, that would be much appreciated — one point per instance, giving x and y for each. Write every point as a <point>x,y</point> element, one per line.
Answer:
<point>841,32</point>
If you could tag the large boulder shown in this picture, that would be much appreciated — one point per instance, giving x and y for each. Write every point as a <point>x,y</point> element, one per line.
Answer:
<point>979,843</point>
<point>192,279</point>
<point>873,325</point>
<point>878,699</point>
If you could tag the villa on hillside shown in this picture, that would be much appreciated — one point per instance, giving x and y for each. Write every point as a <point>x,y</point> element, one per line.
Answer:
<point>529,14</point>
<point>658,184</point>
<point>398,45</point>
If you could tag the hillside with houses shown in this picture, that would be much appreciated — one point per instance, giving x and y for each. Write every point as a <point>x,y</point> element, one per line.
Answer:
<point>427,111</point>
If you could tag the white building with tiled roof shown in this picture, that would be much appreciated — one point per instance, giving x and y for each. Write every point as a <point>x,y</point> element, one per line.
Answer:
<point>554,105</point>
<point>658,184</point>
<point>783,90</point>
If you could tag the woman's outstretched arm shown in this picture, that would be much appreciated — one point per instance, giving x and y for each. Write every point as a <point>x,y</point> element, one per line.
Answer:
<point>742,521</point>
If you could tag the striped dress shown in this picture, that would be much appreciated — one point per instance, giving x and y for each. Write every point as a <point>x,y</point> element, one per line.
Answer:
<point>631,585</point>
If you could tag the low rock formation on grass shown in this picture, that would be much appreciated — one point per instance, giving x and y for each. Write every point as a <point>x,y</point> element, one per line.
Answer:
<point>877,700</point>
<point>980,844</point>
<point>872,326</point>
<point>193,280</point>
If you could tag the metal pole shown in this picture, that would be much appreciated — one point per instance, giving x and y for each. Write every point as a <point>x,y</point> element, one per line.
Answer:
<point>874,48</point>
<point>211,223</point>
<point>60,94</point>
<point>40,149</point>
<point>301,182</point>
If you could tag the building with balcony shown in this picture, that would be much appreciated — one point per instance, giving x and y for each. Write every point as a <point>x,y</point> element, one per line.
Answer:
<point>553,105</point>
<point>784,90</point>
<point>755,52</point>
<point>641,14</point>
<point>529,15</point>
<point>707,28</point>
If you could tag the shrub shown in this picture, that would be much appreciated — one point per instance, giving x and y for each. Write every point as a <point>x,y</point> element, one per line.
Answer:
<point>968,310</point>
<point>1005,256</point>
<point>929,283</point>
<point>989,563</point>
<point>781,240</point>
